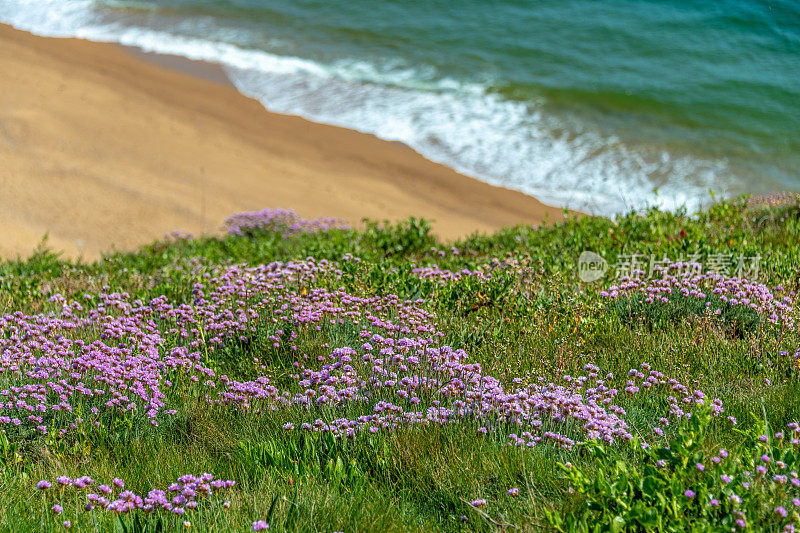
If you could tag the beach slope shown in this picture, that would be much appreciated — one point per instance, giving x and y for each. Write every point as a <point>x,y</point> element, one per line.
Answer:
<point>100,148</point>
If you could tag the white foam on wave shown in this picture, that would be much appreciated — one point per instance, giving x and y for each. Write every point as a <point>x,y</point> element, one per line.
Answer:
<point>505,143</point>
<point>511,144</point>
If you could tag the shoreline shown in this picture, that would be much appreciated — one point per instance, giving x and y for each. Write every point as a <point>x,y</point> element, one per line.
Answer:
<point>193,67</point>
<point>102,147</point>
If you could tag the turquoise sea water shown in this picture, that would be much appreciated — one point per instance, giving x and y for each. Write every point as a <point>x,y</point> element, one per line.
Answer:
<point>598,105</point>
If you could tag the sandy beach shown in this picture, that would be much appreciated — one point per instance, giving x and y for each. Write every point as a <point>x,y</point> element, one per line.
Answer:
<point>102,148</point>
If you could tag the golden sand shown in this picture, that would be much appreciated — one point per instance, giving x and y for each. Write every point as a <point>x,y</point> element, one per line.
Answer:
<point>100,148</point>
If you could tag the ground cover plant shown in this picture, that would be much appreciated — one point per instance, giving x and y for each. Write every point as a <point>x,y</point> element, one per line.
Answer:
<point>306,375</point>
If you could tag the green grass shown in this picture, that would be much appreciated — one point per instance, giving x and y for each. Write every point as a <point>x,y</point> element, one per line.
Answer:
<point>534,317</point>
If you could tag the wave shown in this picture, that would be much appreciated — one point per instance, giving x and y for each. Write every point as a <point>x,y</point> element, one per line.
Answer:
<point>515,144</point>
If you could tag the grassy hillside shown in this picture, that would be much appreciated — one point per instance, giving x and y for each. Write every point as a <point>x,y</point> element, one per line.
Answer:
<point>313,377</point>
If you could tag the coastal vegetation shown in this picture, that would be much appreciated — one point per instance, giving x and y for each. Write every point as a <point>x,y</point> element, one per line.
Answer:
<point>304,375</point>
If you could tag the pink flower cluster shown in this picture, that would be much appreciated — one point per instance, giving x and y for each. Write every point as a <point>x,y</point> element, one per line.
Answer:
<point>184,495</point>
<point>123,358</point>
<point>731,291</point>
<point>482,273</point>
<point>443,253</point>
<point>777,199</point>
<point>178,236</point>
<point>136,353</point>
<point>769,474</point>
<point>444,276</point>
<point>398,374</point>
<point>282,221</point>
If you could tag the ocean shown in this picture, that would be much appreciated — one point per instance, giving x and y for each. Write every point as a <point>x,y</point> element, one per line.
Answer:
<point>601,106</point>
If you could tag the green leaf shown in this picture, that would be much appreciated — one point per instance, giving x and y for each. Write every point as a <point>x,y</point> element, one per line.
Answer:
<point>271,509</point>
<point>650,519</point>
<point>650,486</point>
<point>122,524</point>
